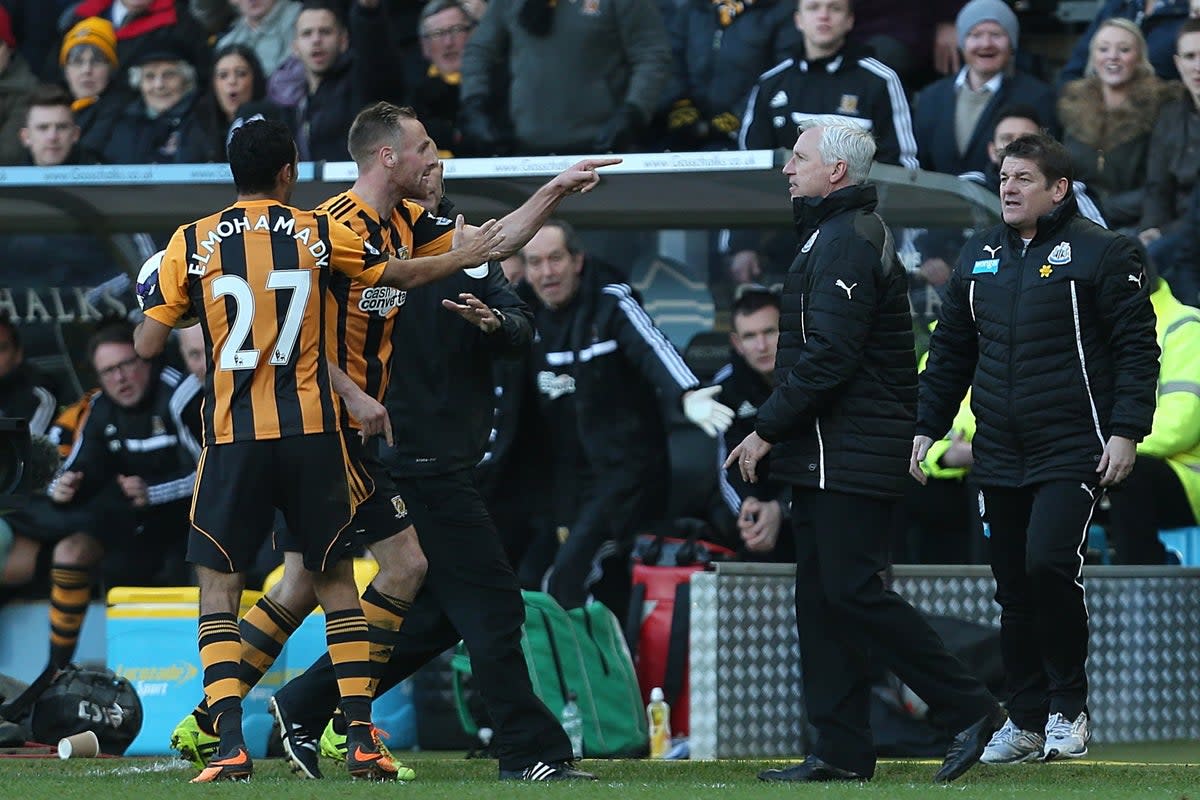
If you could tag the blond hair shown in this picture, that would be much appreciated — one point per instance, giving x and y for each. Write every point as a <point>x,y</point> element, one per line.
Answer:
<point>1143,69</point>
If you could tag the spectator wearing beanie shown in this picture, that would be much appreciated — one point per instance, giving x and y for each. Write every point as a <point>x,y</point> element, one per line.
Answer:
<point>88,59</point>
<point>141,24</point>
<point>17,83</point>
<point>956,115</point>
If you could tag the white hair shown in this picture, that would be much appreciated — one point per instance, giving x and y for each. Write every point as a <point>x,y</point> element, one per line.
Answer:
<point>186,70</point>
<point>843,139</point>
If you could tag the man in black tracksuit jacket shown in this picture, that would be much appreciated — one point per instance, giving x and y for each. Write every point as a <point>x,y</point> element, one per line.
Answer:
<point>600,366</point>
<point>837,427</point>
<point>758,512</point>
<point>1048,319</point>
<point>122,497</point>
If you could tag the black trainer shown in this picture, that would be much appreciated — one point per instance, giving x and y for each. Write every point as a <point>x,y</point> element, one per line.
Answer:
<point>547,771</point>
<point>811,770</point>
<point>969,745</point>
<point>299,744</point>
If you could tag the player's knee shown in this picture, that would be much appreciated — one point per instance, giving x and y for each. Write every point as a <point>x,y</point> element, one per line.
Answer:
<point>80,550</point>
<point>402,563</point>
<point>295,592</point>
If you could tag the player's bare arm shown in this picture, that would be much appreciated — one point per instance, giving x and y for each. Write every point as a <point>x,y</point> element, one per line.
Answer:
<point>372,417</point>
<point>150,337</point>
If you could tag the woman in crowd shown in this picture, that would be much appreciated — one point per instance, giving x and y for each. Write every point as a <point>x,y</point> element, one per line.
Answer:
<point>1172,177</point>
<point>1107,117</point>
<point>237,79</point>
<point>88,58</point>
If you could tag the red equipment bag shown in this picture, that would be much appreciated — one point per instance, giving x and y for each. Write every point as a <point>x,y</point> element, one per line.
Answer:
<point>657,627</point>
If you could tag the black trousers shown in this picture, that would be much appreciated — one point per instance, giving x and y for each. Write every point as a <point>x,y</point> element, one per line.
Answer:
<point>850,625</point>
<point>470,592</point>
<point>1149,500</point>
<point>1038,536</point>
<point>603,520</point>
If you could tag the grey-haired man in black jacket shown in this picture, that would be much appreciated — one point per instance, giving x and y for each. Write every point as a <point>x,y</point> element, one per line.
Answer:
<point>837,427</point>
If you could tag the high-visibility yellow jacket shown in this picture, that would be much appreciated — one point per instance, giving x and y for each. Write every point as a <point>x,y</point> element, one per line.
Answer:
<point>1175,435</point>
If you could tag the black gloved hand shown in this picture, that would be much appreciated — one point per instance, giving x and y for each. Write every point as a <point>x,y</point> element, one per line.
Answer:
<point>481,132</point>
<point>621,132</point>
<point>685,129</point>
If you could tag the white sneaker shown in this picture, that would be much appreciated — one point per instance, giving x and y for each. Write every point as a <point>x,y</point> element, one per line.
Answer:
<point>1066,739</point>
<point>1011,745</point>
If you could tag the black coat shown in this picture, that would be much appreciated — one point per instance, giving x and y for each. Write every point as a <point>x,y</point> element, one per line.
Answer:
<point>841,416</point>
<point>716,65</point>
<point>96,120</point>
<point>440,397</point>
<point>933,121</point>
<point>1057,343</point>
<point>175,136</point>
<point>623,364</point>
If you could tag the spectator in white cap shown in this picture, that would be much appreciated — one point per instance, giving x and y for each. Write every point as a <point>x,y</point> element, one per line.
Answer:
<point>955,116</point>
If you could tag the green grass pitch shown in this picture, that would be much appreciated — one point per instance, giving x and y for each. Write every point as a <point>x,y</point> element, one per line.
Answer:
<point>1115,772</point>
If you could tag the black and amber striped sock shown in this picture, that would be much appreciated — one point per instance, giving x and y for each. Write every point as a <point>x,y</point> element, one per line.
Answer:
<point>265,628</point>
<point>70,591</point>
<point>346,634</point>
<point>385,614</point>
<point>220,655</point>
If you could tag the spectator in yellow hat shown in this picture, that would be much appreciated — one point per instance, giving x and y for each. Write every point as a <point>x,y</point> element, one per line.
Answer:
<point>88,57</point>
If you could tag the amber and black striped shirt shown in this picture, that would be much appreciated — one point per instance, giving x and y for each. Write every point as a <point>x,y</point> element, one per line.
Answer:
<point>359,318</point>
<point>256,273</point>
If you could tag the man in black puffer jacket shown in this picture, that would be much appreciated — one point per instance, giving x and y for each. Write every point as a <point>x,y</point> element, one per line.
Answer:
<point>1048,318</point>
<point>837,427</point>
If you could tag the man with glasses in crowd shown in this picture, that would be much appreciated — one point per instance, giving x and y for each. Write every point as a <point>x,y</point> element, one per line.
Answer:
<point>445,27</point>
<point>121,500</point>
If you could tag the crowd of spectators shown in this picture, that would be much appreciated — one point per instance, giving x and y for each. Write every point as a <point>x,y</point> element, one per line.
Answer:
<point>164,81</point>
<point>942,86</point>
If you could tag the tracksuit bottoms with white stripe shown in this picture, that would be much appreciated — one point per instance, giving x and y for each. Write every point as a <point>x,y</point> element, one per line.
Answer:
<point>1037,537</point>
